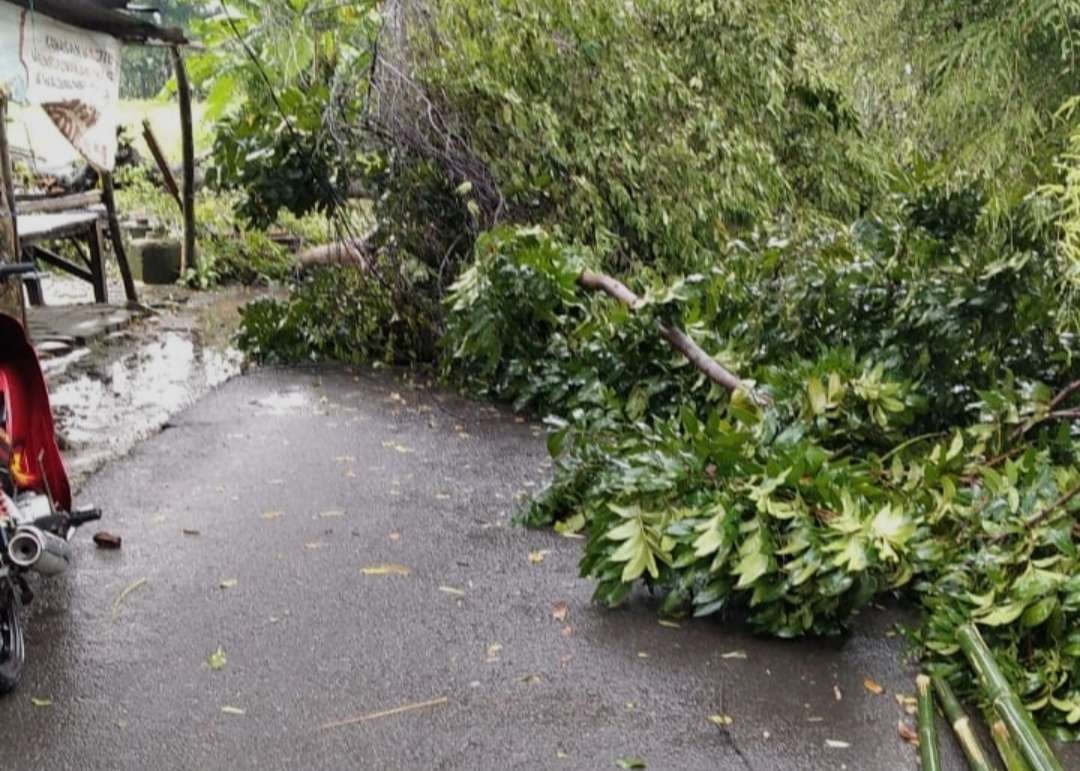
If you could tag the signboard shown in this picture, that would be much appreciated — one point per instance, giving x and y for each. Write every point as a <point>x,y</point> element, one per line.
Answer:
<point>72,74</point>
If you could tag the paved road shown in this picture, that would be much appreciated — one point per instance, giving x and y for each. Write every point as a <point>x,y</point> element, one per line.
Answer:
<point>295,482</point>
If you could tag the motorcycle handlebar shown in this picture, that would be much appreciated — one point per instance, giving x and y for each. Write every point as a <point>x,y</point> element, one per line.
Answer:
<point>16,269</point>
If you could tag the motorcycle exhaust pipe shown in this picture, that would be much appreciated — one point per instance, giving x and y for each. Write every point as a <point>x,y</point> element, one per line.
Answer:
<point>34,548</point>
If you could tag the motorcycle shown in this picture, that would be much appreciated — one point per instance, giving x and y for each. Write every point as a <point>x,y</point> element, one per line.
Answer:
<point>37,520</point>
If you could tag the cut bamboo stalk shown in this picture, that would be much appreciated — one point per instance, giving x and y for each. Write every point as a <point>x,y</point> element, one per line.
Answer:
<point>1007,749</point>
<point>928,745</point>
<point>961,724</point>
<point>1005,702</point>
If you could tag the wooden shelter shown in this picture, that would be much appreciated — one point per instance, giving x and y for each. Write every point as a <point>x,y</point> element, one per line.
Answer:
<point>55,60</point>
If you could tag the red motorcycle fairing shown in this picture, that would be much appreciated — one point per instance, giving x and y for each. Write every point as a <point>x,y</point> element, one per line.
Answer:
<point>29,416</point>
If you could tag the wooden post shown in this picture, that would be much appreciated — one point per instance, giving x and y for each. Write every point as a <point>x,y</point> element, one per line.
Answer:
<point>108,197</point>
<point>11,297</point>
<point>183,89</point>
<point>162,163</point>
<point>97,265</point>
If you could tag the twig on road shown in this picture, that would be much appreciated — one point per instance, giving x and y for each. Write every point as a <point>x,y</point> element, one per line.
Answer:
<point>123,596</point>
<point>384,713</point>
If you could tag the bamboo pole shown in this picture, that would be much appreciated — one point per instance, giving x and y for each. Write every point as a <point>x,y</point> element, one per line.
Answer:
<point>183,90</point>
<point>961,725</point>
<point>162,164</point>
<point>1006,746</point>
<point>1005,702</point>
<point>678,339</point>
<point>928,744</point>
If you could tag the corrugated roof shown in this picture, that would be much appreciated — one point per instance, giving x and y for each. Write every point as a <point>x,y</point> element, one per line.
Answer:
<point>112,17</point>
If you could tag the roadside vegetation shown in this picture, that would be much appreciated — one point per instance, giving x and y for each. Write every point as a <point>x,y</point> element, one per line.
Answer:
<point>882,239</point>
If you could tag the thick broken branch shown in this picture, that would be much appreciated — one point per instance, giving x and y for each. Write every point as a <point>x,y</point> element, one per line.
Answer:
<point>350,252</point>
<point>678,339</point>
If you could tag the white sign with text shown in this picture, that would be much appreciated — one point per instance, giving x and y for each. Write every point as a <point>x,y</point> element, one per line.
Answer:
<point>72,74</point>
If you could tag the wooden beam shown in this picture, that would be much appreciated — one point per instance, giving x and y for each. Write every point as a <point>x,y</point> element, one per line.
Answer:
<point>108,196</point>
<point>162,163</point>
<point>57,203</point>
<point>11,296</point>
<point>189,258</point>
<point>54,259</point>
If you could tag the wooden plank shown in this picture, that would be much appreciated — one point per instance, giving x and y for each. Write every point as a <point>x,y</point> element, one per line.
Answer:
<point>108,195</point>
<point>162,164</point>
<point>59,203</point>
<point>45,227</point>
<point>183,89</point>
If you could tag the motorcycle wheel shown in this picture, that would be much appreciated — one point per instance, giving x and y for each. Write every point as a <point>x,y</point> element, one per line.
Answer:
<point>12,646</point>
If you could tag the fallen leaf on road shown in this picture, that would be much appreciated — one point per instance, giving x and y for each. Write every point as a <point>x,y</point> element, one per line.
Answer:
<point>669,624</point>
<point>313,545</point>
<point>40,702</point>
<point>836,744</point>
<point>398,447</point>
<point>493,651</point>
<point>873,687</point>
<point>331,513</point>
<point>227,583</point>
<point>536,557</point>
<point>561,755</point>
<point>559,611</point>
<point>909,703</point>
<point>386,570</point>
<point>630,763</point>
<point>216,660</point>
<point>642,655</point>
<point>394,536</point>
<point>721,720</point>
<point>836,692</point>
<point>384,713</point>
<point>452,590</point>
<point>567,630</point>
<point>268,515</point>
<point>734,655</point>
<point>527,679</point>
<point>908,733</point>
<point>123,596</point>
<point>233,710</point>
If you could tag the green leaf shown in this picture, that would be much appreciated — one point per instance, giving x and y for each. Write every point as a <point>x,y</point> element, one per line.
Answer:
<point>1002,614</point>
<point>751,568</point>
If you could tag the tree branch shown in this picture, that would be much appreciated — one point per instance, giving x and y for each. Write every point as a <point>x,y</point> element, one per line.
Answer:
<point>678,339</point>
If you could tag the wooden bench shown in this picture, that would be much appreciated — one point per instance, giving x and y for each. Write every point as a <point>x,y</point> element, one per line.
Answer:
<point>79,218</point>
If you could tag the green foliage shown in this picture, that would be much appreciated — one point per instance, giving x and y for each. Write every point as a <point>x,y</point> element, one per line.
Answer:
<point>283,80</point>
<point>245,259</point>
<point>648,130</point>
<point>889,461</point>
<point>336,314</point>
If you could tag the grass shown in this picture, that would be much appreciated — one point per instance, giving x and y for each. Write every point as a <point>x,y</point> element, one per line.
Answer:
<point>31,130</point>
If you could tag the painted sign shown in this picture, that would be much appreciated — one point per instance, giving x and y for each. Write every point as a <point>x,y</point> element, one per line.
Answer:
<point>72,74</point>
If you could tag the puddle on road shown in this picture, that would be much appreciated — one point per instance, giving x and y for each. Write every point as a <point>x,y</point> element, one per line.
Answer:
<point>128,388</point>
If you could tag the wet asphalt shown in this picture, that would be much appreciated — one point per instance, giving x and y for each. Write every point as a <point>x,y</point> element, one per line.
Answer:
<point>247,526</point>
